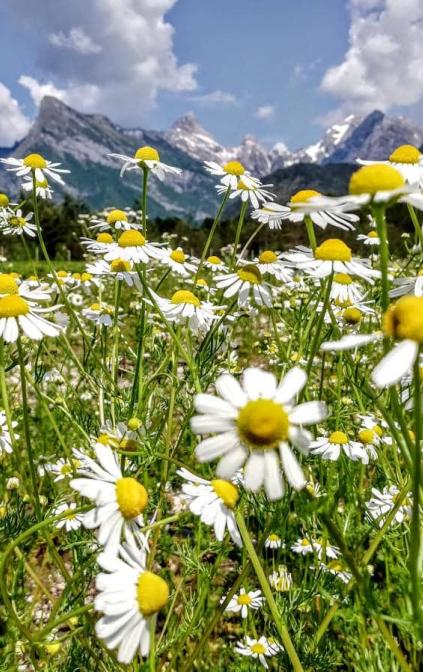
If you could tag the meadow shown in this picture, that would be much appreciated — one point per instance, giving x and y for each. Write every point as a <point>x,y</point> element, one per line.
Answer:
<point>212,461</point>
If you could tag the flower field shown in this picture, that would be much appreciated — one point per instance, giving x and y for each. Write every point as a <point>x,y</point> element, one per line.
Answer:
<point>213,461</point>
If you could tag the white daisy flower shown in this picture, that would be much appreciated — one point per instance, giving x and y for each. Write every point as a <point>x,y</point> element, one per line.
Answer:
<point>330,447</point>
<point>383,501</point>
<point>270,262</point>
<point>178,261</point>
<point>185,307</point>
<point>37,165</point>
<point>370,238</point>
<point>255,193</point>
<point>42,188</point>
<point>131,246</point>
<point>345,290</point>
<point>63,468</point>
<point>379,184</point>
<point>407,160</point>
<point>254,423</point>
<point>257,648</point>
<point>230,173</point>
<point>244,601</point>
<point>281,579</point>
<point>321,211</point>
<point>337,569</point>
<point>120,500</point>
<point>72,521</point>
<point>15,224</point>
<point>149,158</point>
<point>102,244</point>
<point>214,501</point>
<point>413,286</point>
<point>130,597</point>
<point>117,269</point>
<point>273,541</point>
<point>119,437</point>
<point>248,283</point>
<point>215,263</point>
<point>113,219</point>
<point>304,546</point>
<point>5,438</point>
<point>102,314</point>
<point>28,290</point>
<point>331,256</point>
<point>18,315</point>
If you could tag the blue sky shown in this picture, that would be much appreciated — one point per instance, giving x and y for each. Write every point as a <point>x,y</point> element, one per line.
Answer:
<point>279,69</point>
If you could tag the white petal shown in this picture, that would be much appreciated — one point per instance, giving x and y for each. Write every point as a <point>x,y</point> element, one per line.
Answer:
<point>233,460</point>
<point>396,364</point>
<point>292,469</point>
<point>230,390</point>
<point>273,484</point>
<point>291,385</point>
<point>308,413</point>
<point>259,383</point>
<point>254,471</point>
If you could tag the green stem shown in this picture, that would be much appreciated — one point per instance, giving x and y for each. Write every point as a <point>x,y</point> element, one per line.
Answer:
<point>415,530</point>
<point>319,326</point>
<point>145,172</point>
<point>310,232</point>
<point>212,231</point>
<point>379,215</point>
<point>244,207</point>
<point>416,223</point>
<point>249,241</point>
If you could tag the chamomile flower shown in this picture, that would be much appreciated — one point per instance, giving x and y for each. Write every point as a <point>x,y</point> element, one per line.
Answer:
<point>257,649</point>
<point>28,290</point>
<point>248,283</point>
<point>230,174</point>
<point>383,501</point>
<point>214,501</point>
<point>244,601</point>
<point>379,184</point>
<point>254,193</point>
<point>304,546</point>
<point>413,286</point>
<point>271,263</point>
<point>131,246</point>
<point>37,165</point>
<point>330,447</point>
<point>102,314</point>
<point>118,268</point>
<point>102,243</point>
<point>20,316</point>
<point>119,500</point>
<point>345,290</point>
<point>146,158</point>
<point>370,238</point>
<point>331,256</point>
<point>15,224</point>
<point>72,520</point>
<point>253,424</point>
<point>321,211</point>
<point>281,579</point>
<point>407,160</point>
<point>114,219</point>
<point>185,307</point>
<point>273,541</point>
<point>215,263</point>
<point>337,569</point>
<point>5,438</point>
<point>130,597</point>
<point>63,468</point>
<point>121,436</point>
<point>42,188</point>
<point>178,261</point>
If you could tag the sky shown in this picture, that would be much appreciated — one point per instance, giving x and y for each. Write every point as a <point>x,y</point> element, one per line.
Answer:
<point>282,70</point>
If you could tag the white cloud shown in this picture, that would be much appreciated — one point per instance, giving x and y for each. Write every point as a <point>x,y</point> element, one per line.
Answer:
<point>13,123</point>
<point>122,54</point>
<point>265,111</point>
<point>38,91</point>
<point>383,67</point>
<point>214,98</point>
<point>77,40</point>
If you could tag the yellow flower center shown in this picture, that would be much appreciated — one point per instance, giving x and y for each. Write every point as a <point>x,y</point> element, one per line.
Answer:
<point>214,260</point>
<point>335,566</point>
<point>85,277</point>
<point>66,469</point>
<point>134,424</point>
<point>120,266</point>
<point>304,195</point>
<point>342,278</point>
<point>234,168</point>
<point>147,154</point>
<point>116,216</point>
<point>268,257</point>
<point>338,437</point>
<point>305,542</point>
<point>95,307</point>
<point>258,648</point>
<point>244,599</point>
<point>378,430</point>
<point>131,238</point>
<point>178,256</point>
<point>375,177</point>
<point>104,439</point>
<point>263,423</point>
<point>8,285</point>
<point>372,234</point>
<point>4,200</point>
<point>131,497</point>
<point>274,537</point>
<point>366,435</point>
<point>405,154</point>
<point>243,186</point>
<point>333,249</point>
<point>62,274</point>
<point>201,282</point>
<point>35,161</point>
<point>227,491</point>
<point>152,593</point>
<point>250,273</point>
<point>185,296</point>
<point>18,222</point>
<point>43,184</point>
<point>404,319</point>
<point>352,315</point>
<point>13,306</point>
<point>104,238</point>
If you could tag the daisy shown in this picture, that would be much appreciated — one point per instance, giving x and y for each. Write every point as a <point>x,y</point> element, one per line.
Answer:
<point>178,261</point>
<point>4,201</point>
<point>255,193</point>
<point>120,436</point>
<point>118,268</point>
<point>103,243</point>
<point>130,597</point>
<point>244,601</point>
<point>281,579</point>
<point>102,314</point>
<point>5,438</point>
<point>383,501</point>
<point>72,520</point>
<point>304,546</point>
<point>14,224</point>
<point>230,174</point>
<point>337,568</point>
<point>131,246</point>
<point>331,256</point>
<point>344,290</point>
<point>370,238</point>
<point>273,541</point>
<point>306,202</point>
<point>119,500</point>
<point>270,262</point>
<point>42,188</point>
<point>257,648</point>
<point>114,219</point>
<point>37,165</point>
<point>407,160</point>
<point>330,448</point>
<point>248,283</point>
<point>28,290</point>
<point>254,423</point>
<point>185,307</point>
<point>146,158</point>
<point>64,468</point>
<point>214,501</point>
<point>214,263</point>
<point>412,286</point>
<point>379,184</point>
<point>17,315</point>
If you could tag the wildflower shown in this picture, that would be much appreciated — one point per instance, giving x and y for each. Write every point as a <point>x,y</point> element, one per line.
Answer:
<point>244,601</point>
<point>42,188</point>
<point>214,263</point>
<point>63,468</point>
<point>306,202</point>
<point>254,192</point>
<point>257,648</point>
<point>178,261</point>
<point>101,314</point>
<point>146,158</point>
<point>214,501</point>
<point>370,238</point>
<point>281,579</point>
<point>330,447</point>
<point>72,521</point>
<point>345,290</point>
<point>15,224</point>
<point>102,244</point>
<point>120,500</point>
<point>5,438</point>
<point>20,315</point>
<point>273,541</point>
<point>383,501</point>
<point>379,184</point>
<point>331,256</point>
<point>254,422</point>
<point>337,569</point>
<point>118,269</point>
<point>413,286</point>
<point>131,246</point>
<point>185,307</point>
<point>304,546</point>
<point>270,262</point>
<point>230,174</point>
<point>247,282</point>
<point>119,437</point>
<point>407,160</point>
<point>130,597</point>
<point>37,165</point>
